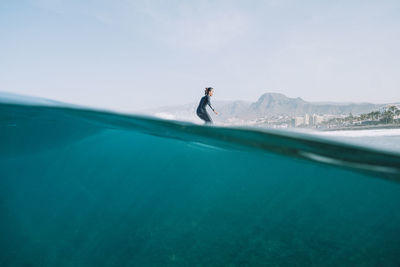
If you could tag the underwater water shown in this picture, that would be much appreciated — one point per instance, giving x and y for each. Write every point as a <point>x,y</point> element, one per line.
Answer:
<point>82,187</point>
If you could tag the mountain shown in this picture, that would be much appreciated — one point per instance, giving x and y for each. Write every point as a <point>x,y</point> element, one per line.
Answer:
<point>268,105</point>
<point>274,103</point>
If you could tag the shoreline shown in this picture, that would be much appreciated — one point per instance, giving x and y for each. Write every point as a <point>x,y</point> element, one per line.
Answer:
<point>366,127</point>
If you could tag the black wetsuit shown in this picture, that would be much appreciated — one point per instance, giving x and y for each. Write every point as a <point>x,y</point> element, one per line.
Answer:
<point>201,109</point>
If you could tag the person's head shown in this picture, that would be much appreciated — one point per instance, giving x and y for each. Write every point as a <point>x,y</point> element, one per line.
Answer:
<point>209,91</point>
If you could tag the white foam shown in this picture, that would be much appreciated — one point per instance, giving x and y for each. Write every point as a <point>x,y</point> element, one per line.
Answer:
<point>164,115</point>
<point>361,133</point>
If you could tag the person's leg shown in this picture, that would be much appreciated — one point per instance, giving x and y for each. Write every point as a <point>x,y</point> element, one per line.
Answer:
<point>200,115</point>
<point>205,117</point>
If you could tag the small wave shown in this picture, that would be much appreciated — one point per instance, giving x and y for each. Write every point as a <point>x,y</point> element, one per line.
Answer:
<point>362,133</point>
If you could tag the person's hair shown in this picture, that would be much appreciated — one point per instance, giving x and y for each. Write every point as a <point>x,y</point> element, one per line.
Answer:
<point>207,90</point>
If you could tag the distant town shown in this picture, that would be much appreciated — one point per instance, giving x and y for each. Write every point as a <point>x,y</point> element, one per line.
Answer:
<point>275,110</point>
<point>387,116</point>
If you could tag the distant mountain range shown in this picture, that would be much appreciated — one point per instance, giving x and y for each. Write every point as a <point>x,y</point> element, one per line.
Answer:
<point>268,105</point>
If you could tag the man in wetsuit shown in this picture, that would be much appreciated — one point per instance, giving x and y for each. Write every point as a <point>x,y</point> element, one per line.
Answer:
<point>201,109</point>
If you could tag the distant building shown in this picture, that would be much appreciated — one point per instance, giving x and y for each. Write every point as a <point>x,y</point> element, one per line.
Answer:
<point>316,119</point>
<point>299,121</point>
<point>306,119</point>
<point>293,122</point>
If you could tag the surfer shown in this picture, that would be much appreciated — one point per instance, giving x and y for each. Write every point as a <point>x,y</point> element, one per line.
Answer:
<point>201,109</point>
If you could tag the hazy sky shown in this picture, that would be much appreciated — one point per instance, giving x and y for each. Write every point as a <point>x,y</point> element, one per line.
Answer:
<point>133,54</point>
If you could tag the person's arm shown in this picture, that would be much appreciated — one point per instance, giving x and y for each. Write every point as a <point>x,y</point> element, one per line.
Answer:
<point>209,104</point>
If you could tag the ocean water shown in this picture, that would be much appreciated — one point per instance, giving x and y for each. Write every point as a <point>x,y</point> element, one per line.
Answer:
<point>387,139</point>
<point>81,187</point>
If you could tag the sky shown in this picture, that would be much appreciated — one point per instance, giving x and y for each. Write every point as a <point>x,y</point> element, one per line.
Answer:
<point>131,55</point>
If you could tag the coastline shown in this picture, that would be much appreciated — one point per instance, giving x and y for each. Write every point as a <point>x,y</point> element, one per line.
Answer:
<point>365,127</point>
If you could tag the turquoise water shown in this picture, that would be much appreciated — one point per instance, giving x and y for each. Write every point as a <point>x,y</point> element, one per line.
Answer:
<point>91,188</point>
